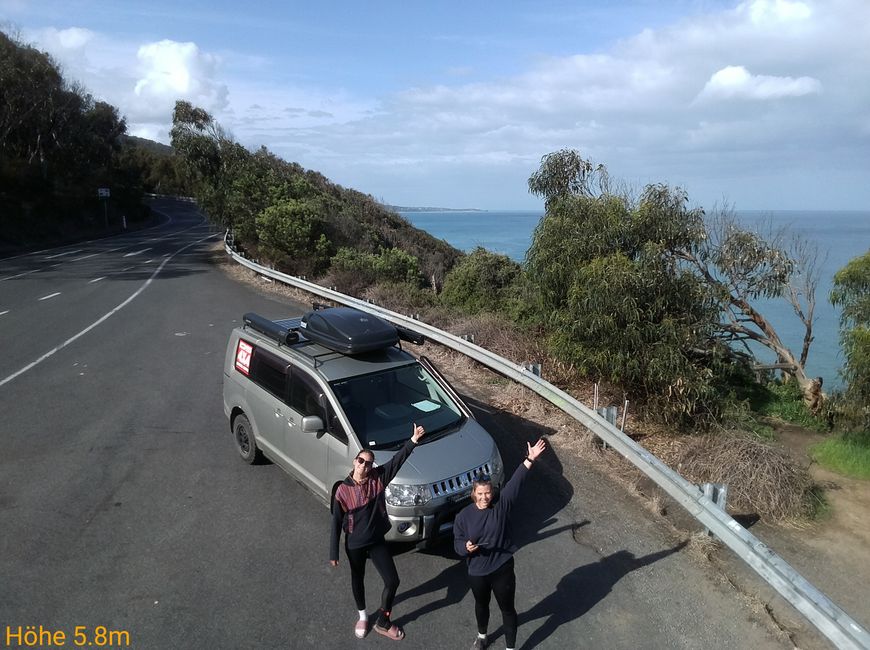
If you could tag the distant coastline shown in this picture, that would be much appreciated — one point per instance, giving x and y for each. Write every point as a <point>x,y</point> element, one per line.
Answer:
<point>402,208</point>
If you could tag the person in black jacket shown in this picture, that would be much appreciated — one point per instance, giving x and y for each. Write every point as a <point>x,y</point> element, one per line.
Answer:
<point>361,511</point>
<point>482,535</point>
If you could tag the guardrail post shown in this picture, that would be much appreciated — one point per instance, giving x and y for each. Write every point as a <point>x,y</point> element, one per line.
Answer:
<point>534,368</point>
<point>468,337</point>
<point>610,414</point>
<point>718,494</point>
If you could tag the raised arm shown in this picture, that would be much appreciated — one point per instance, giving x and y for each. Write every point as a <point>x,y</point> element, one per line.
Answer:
<point>511,489</point>
<point>392,466</point>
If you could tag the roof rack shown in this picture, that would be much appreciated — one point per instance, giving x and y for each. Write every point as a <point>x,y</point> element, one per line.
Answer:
<point>275,330</point>
<point>341,330</point>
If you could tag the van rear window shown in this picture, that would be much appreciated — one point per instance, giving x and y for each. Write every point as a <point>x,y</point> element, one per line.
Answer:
<point>263,368</point>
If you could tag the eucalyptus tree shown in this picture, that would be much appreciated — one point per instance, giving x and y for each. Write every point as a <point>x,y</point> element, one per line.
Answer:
<point>741,268</point>
<point>616,303</point>
<point>650,293</point>
<point>851,292</point>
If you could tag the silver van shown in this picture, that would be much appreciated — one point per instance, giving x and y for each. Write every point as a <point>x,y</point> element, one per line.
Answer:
<point>309,393</point>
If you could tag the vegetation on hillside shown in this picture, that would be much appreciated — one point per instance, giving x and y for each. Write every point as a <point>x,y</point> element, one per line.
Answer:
<point>298,220</point>
<point>59,145</point>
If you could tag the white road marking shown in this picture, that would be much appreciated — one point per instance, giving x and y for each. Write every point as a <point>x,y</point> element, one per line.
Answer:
<point>85,257</point>
<point>51,295</point>
<point>97,279</point>
<point>137,252</point>
<point>127,269</point>
<point>103,318</point>
<point>147,261</point>
<point>51,257</point>
<point>12,277</point>
<point>4,312</point>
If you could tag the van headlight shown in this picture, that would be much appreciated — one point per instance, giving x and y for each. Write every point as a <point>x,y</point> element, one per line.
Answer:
<point>496,467</point>
<point>407,495</point>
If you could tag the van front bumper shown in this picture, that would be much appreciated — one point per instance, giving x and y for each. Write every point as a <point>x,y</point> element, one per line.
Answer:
<point>426,527</point>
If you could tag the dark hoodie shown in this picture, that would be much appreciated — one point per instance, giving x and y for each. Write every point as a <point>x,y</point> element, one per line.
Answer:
<point>360,509</point>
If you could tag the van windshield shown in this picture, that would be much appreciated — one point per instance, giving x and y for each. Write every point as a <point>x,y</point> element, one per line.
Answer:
<point>382,406</point>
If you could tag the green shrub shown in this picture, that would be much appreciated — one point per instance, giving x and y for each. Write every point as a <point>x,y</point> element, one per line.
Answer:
<point>388,265</point>
<point>482,281</point>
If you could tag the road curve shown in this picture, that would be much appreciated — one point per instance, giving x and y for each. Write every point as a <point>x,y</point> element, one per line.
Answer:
<point>123,504</point>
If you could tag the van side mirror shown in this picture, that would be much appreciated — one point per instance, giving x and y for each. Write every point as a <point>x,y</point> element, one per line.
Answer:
<point>312,424</point>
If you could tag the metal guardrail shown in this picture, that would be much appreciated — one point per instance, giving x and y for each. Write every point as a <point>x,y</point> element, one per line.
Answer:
<point>824,614</point>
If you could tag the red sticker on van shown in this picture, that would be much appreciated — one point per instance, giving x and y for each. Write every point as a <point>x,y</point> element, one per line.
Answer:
<point>243,357</point>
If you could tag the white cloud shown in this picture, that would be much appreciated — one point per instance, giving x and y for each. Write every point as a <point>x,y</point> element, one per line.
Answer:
<point>169,71</point>
<point>775,12</point>
<point>706,101</point>
<point>735,81</point>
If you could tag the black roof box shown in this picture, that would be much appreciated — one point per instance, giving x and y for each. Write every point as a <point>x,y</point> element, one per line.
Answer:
<point>348,330</point>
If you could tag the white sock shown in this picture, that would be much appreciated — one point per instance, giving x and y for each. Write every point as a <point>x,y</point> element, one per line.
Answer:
<point>363,615</point>
<point>481,636</point>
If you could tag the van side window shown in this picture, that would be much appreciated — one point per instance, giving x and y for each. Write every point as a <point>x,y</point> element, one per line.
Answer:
<point>269,372</point>
<point>334,427</point>
<point>305,395</point>
<point>305,399</point>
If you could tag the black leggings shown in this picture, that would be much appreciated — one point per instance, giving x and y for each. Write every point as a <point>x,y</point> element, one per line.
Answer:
<point>383,561</point>
<point>503,583</point>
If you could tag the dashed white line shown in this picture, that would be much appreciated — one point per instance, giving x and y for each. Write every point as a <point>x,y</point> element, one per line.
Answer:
<point>127,269</point>
<point>51,257</point>
<point>12,277</point>
<point>97,279</point>
<point>4,312</point>
<point>45,356</point>
<point>84,257</point>
<point>137,252</point>
<point>51,295</point>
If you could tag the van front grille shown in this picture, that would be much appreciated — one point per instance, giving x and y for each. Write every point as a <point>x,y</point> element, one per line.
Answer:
<point>460,482</point>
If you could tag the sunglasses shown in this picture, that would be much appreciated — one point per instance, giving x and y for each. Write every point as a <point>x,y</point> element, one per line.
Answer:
<point>362,461</point>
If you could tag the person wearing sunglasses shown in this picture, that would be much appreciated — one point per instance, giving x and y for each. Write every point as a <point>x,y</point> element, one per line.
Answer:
<point>361,511</point>
<point>482,535</point>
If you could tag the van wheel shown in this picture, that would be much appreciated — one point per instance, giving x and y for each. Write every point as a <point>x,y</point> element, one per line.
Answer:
<point>246,445</point>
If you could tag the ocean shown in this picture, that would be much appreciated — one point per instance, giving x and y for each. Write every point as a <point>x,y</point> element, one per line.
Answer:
<point>840,236</point>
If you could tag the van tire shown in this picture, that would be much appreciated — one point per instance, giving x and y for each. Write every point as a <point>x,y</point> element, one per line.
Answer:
<point>246,444</point>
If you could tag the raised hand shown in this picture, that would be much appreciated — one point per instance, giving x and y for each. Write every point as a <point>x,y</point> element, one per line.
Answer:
<point>537,449</point>
<point>419,432</point>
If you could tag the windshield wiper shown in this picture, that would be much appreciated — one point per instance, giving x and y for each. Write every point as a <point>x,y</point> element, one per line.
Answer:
<point>440,432</point>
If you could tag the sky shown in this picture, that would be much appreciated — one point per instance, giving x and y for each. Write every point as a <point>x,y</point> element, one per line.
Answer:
<point>761,105</point>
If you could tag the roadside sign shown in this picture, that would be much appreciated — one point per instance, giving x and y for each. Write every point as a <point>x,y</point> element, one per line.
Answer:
<point>103,192</point>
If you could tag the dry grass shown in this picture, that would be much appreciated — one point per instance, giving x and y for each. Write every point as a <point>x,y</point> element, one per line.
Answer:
<point>760,478</point>
<point>703,545</point>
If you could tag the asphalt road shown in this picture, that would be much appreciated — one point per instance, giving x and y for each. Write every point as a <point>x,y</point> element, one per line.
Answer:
<point>123,503</point>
